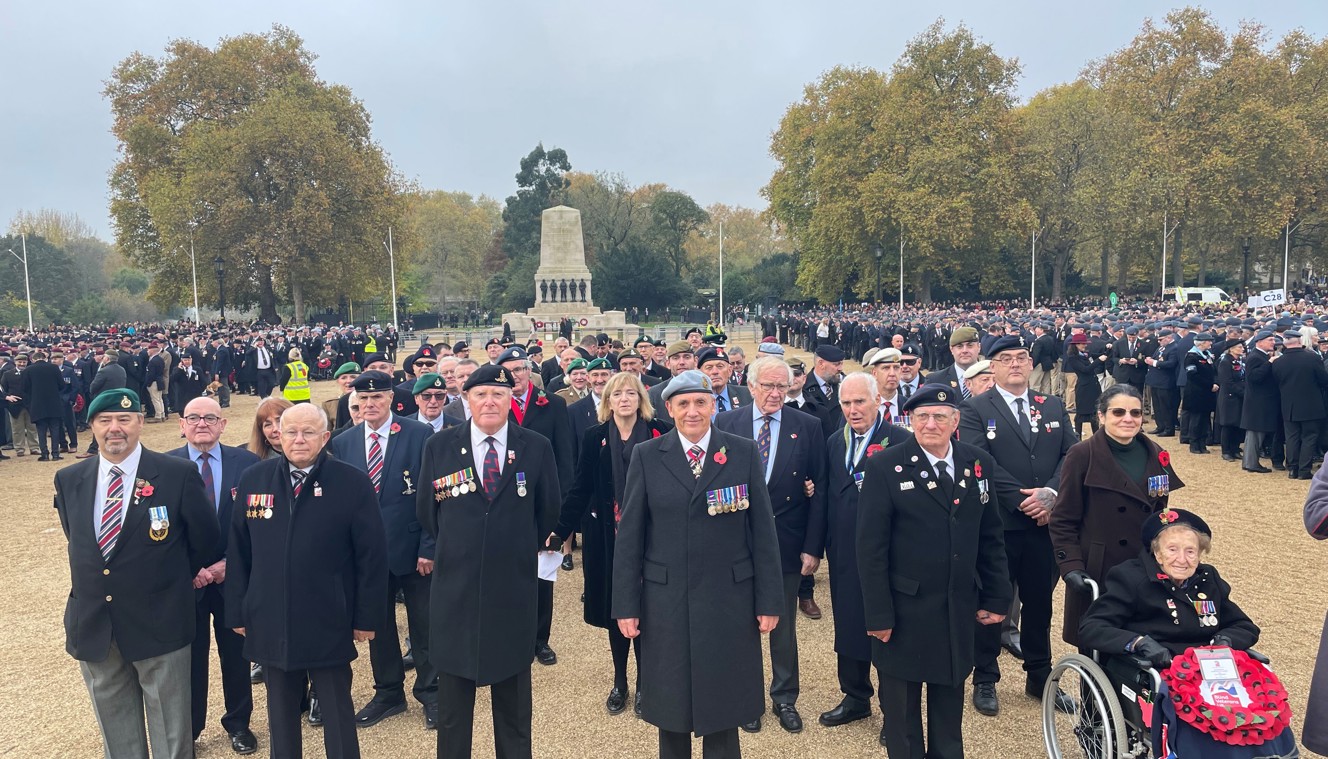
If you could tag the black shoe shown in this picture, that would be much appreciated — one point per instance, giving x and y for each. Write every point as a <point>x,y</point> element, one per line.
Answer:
<point>636,707</point>
<point>1305,475</point>
<point>843,714</point>
<point>255,673</point>
<point>315,712</point>
<point>243,741</point>
<point>545,655</point>
<point>1155,433</point>
<point>1064,703</point>
<point>3,457</point>
<point>57,458</point>
<point>44,457</point>
<point>431,716</point>
<point>1228,457</point>
<point>984,699</point>
<point>1280,467</point>
<point>881,738</point>
<point>752,727</point>
<point>1292,474</point>
<point>377,711</point>
<point>567,562</point>
<point>408,658</point>
<point>1260,469</point>
<point>616,703</point>
<point>400,596</point>
<point>789,719</point>
<point>1196,449</point>
<point>1010,642</point>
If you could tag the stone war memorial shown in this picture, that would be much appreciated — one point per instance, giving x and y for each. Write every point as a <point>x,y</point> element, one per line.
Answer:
<point>563,285</point>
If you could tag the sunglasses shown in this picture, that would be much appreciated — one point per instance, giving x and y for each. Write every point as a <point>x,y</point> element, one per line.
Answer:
<point>910,361</point>
<point>1135,413</point>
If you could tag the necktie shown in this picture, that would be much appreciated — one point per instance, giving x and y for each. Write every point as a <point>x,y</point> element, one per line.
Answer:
<point>375,462</point>
<point>943,477</point>
<point>830,392</point>
<point>696,459</point>
<point>763,442</point>
<point>907,389</point>
<point>1024,428</point>
<point>963,387</point>
<point>297,481</point>
<point>853,452</point>
<point>111,513</point>
<point>205,469</point>
<point>491,471</point>
<point>719,403</point>
<point>888,414</point>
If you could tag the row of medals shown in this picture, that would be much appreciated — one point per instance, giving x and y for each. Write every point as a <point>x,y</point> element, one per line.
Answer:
<point>740,504</point>
<point>456,490</point>
<point>259,513</point>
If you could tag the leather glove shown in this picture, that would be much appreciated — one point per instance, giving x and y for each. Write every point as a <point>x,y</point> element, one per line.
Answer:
<point>1222,640</point>
<point>1154,652</point>
<point>1077,579</point>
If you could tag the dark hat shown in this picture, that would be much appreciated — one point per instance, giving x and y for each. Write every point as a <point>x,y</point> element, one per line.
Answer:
<point>710,353</point>
<point>681,346</point>
<point>963,335</point>
<point>490,375</point>
<point>934,394</point>
<point>1292,334</point>
<point>576,363</point>
<point>630,354</point>
<point>1194,321</point>
<point>118,400</point>
<point>829,353</point>
<point>1131,331</point>
<point>690,381</point>
<point>599,363</point>
<point>689,332</point>
<point>425,351</point>
<point>1160,521</point>
<point>492,341</point>
<point>372,381</point>
<point>515,353</point>
<point>535,349</point>
<point>350,367</point>
<point>1165,333</point>
<point>376,357</point>
<point>428,380</point>
<point>601,339</point>
<point>1203,336</point>
<point>910,349</point>
<point>643,340</point>
<point>461,346</point>
<point>1007,343</point>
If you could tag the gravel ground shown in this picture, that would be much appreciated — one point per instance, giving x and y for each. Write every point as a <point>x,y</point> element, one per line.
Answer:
<point>1276,570</point>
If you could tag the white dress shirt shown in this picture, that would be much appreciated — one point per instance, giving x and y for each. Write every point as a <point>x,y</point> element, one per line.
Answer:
<point>1010,401</point>
<point>948,459</point>
<point>478,448</point>
<point>384,433</point>
<point>437,423</point>
<point>704,442</point>
<point>129,467</point>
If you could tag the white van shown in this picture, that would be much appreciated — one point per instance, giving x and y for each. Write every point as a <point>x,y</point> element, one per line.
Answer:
<point>1198,294</point>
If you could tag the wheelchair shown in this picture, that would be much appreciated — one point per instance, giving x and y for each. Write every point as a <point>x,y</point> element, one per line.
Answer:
<point>1111,694</point>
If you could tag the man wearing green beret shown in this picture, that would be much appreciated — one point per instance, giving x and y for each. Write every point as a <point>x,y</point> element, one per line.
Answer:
<point>344,375</point>
<point>141,536</point>
<point>431,396</point>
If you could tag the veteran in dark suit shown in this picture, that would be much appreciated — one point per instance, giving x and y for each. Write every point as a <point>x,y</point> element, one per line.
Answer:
<point>1028,434</point>
<point>713,360</point>
<point>140,539</point>
<point>584,413</point>
<point>489,493</point>
<point>1302,381</point>
<point>388,448</point>
<point>306,578</point>
<point>220,467</point>
<point>932,562</point>
<point>865,434</point>
<point>792,456</point>
<point>822,385</point>
<point>696,574</point>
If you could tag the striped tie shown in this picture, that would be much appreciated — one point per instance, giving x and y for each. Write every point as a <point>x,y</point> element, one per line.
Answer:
<point>491,472</point>
<point>297,481</point>
<point>375,462</point>
<point>111,513</point>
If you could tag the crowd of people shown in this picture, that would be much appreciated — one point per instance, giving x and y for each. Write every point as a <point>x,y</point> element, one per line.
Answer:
<point>978,457</point>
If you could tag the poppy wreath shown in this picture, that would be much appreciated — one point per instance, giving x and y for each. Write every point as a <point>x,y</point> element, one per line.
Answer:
<point>1263,720</point>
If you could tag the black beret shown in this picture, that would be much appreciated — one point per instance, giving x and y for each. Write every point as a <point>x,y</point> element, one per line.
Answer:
<point>689,332</point>
<point>515,353</point>
<point>711,353</point>
<point>375,357</point>
<point>1008,343</point>
<point>461,346</point>
<point>934,394</point>
<point>910,349</point>
<point>492,341</point>
<point>372,381</point>
<point>1158,522</point>
<point>829,353</point>
<point>491,375</point>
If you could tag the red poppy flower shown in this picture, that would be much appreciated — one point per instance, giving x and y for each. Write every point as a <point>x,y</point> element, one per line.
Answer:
<point>1164,458</point>
<point>1265,718</point>
<point>654,433</point>
<point>401,407</point>
<point>977,468</point>
<point>145,490</point>
<point>395,428</point>
<point>720,458</point>
<point>873,449</point>
<point>541,400</point>
<point>1039,399</point>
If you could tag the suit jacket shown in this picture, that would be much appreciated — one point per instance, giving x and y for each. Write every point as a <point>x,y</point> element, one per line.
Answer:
<point>1132,374</point>
<point>142,596</point>
<point>550,369</point>
<point>301,581</point>
<point>950,375</point>
<point>1043,352</point>
<point>156,372</point>
<point>483,601</point>
<point>929,561</point>
<point>1301,382</point>
<point>799,456</point>
<point>406,540</point>
<point>234,461</point>
<point>547,415</point>
<point>704,668</point>
<point>41,387</point>
<point>739,397</point>
<point>1162,374</point>
<point>841,544</point>
<point>829,412</point>
<point>1020,464</point>
<point>109,377</point>
<point>223,363</point>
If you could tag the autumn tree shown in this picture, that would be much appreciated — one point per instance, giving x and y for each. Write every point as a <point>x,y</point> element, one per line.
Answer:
<point>454,234</point>
<point>541,184</point>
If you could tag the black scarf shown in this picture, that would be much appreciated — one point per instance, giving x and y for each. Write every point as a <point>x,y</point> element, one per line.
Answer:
<point>620,455</point>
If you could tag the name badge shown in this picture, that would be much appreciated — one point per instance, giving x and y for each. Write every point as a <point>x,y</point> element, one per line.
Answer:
<point>160,525</point>
<point>906,485</point>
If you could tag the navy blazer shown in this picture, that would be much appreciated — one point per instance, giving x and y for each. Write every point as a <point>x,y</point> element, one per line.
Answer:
<point>234,460</point>
<point>583,415</point>
<point>799,456</point>
<point>406,540</point>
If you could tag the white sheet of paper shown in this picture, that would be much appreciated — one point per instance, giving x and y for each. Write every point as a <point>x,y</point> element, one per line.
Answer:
<point>549,562</point>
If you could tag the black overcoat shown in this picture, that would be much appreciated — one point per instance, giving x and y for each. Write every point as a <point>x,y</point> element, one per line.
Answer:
<point>1261,410</point>
<point>697,583</point>
<point>1199,396</point>
<point>1231,390</point>
<point>483,599</point>
<point>928,563</point>
<point>1301,382</point>
<point>41,386</point>
<point>301,582</point>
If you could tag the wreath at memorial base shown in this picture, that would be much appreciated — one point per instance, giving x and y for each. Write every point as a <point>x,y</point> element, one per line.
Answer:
<point>1263,720</point>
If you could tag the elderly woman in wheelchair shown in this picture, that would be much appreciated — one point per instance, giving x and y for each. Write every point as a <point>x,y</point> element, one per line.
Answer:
<point>1152,611</point>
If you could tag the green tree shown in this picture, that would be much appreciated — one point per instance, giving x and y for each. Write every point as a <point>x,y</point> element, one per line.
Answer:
<point>541,184</point>
<point>454,234</point>
<point>49,272</point>
<point>243,152</point>
<point>635,275</point>
<point>674,217</point>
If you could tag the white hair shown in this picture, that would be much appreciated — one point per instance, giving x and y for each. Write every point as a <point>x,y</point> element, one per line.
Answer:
<point>873,389</point>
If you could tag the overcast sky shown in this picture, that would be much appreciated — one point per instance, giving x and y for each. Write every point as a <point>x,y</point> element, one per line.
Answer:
<point>686,92</point>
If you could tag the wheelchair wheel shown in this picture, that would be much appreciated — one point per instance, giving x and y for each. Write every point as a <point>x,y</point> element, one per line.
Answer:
<point>1096,729</point>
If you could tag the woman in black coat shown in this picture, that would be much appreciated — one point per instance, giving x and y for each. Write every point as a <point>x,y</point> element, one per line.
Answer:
<point>1230,399</point>
<point>592,507</point>
<point>1200,395</point>
<point>1086,388</point>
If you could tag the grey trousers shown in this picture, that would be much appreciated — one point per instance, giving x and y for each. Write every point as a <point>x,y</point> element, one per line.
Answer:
<point>123,692</point>
<point>1252,442</point>
<point>784,646</point>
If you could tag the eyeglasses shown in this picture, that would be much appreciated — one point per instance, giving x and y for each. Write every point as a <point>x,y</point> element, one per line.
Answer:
<point>910,361</point>
<point>210,420</point>
<point>434,396</point>
<point>1012,360</point>
<point>770,388</point>
<point>1135,413</point>
<point>923,417</point>
<point>419,362</point>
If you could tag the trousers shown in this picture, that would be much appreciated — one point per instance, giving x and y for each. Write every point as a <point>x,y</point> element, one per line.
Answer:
<point>123,692</point>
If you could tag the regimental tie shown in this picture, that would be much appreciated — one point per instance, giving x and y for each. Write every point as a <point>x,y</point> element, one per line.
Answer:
<point>205,469</point>
<point>375,462</point>
<point>297,481</point>
<point>696,460</point>
<point>491,471</point>
<point>111,513</point>
<point>763,442</point>
<point>943,477</point>
<point>963,388</point>
<point>1024,429</point>
<point>720,404</point>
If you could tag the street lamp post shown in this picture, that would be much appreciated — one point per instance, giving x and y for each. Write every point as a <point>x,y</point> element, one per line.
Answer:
<point>879,251</point>
<point>193,264</point>
<point>1245,269</point>
<point>26,287</point>
<point>220,265</point>
<point>392,272</point>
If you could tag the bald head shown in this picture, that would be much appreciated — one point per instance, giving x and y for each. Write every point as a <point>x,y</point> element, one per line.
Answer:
<point>305,413</point>
<point>202,423</point>
<point>303,434</point>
